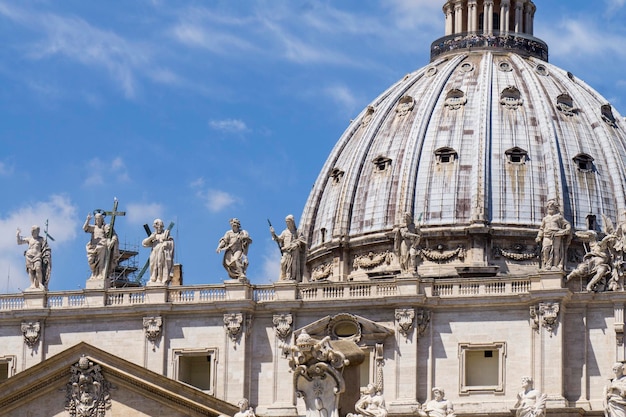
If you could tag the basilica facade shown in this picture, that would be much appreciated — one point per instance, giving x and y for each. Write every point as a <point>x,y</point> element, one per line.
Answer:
<point>461,252</point>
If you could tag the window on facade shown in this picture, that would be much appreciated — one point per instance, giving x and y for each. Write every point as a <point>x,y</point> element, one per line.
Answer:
<point>482,367</point>
<point>445,155</point>
<point>584,162</point>
<point>196,368</point>
<point>6,367</point>
<point>607,115</point>
<point>382,163</point>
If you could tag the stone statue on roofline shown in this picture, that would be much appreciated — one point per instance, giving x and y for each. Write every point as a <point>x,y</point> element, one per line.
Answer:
<point>554,237</point>
<point>103,247</point>
<point>161,254</point>
<point>406,241</point>
<point>292,244</point>
<point>38,258</point>
<point>235,244</point>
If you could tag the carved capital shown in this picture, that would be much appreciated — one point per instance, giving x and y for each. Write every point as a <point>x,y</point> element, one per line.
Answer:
<point>545,315</point>
<point>404,317</point>
<point>233,323</point>
<point>282,325</point>
<point>31,332</point>
<point>152,327</point>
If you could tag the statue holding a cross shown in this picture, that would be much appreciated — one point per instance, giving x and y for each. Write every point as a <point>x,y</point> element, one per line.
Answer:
<point>103,247</point>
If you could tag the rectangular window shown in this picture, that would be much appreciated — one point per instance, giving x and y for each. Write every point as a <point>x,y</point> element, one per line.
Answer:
<point>482,367</point>
<point>7,367</point>
<point>196,367</point>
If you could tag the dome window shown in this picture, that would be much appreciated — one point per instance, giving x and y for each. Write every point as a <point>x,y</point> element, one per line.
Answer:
<point>505,66</point>
<point>431,71</point>
<point>382,163</point>
<point>455,99</point>
<point>446,155</point>
<point>607,115</point>
<point>336,174</point>
<point>584,162</point>
<point>467,67</point>
<point>511,98</point>
<point>405,105</point>
<point>541,70</point>
<point>565,104</point>
<point>516,156</point>
<point>367,118</point>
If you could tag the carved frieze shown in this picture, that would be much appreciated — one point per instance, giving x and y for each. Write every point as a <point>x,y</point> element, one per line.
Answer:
<point>545,315</point>
<point>282,325</point>
<point>31,332</point>
<point>87,393</point>
<point>372,260</point>
<point>233,323</point>
<point>517,253</point>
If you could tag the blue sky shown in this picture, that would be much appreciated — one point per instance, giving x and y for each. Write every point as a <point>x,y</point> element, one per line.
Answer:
<point>199,111</point>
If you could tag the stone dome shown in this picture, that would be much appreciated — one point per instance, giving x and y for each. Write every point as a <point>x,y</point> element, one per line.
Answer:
<point>473,146</point>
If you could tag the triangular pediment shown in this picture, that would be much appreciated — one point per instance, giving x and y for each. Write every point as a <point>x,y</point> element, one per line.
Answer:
<point>347,326</point>
<point>132,390</point>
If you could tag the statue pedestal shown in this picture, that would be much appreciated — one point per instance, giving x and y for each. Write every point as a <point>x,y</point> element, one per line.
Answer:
<point>547,280</point>
<point>34,298</point>
<point>96,284</point>
<point>238,290</point>
<point>278,410</point>
<point>285,290</point>
<point>156,294</point>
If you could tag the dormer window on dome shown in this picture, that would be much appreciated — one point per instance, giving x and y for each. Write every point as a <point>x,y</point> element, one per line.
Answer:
<point>607,115</point>
<point>584,162</point>
<point>516,156</point>
<point>565,104</point>
<point>382,163</point>
<point>455,99</point>
<point>445,155</point>
<point>336,174</point>
<point>405,105</point>
<point>511,98</point>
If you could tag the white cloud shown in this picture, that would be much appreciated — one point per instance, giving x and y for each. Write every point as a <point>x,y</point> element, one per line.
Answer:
<point>5,169</point>
<point>270,270</point>
<point>60,213</point>
<point>216,200</point>
<point>142,213</point>
<point>99,172</point>
<point>614,5</point>
<point>410,14</point>
<point>229,125</point>
<point>343,97</point>
<point>584,39</point>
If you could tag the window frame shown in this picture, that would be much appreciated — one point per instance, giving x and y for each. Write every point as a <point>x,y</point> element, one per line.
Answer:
<point>177,354</point>
<point>464,388</point>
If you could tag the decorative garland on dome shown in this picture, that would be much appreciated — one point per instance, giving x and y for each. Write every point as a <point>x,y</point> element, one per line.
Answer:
<point>515,256</point>
<point>322,272</point>
<point>372,260</point>
<point>440,256</point>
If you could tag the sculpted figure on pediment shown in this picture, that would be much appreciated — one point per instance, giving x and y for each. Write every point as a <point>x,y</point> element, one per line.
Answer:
<point>235,244</point>
<point>37,257</point>
<point>554,237</point>
<point>292,244</point>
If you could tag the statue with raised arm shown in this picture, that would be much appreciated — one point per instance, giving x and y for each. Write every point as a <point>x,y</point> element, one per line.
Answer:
<point>102,248</point>
<point>292,245</point>
<point>614,400</point>
<point>439,406</point>
<point>244,409</point>
<point>161,255</point>
<point>38,258</point>
<point>530,402</point>
<point>235,243</point>
<point>406,240</point>
<point>554,237</point>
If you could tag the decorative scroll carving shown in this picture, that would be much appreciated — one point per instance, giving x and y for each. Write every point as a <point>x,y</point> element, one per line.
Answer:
<point>322,272</point>
<point>372,260</point>
<point>87,393</point>
<point>545,315</point>
<point>405,106</point>
<point>367,118</point>
<point>439,255</point>
<point>422,319</point>
<point>379,359</point>
<point>31,332</point>
<point>152,328</point>
<point>565,104</point>
<point>233,322</point>
<point>282,325</point>
<point>404,317</point>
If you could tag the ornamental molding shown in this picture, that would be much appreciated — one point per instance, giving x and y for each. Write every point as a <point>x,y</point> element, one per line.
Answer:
<point>511,98</point>
<point>342,322</point>
<point>322,272</point>
<point>545,315</point>
<point>282,325</point>
<point>233,323</point>
<point>439,255</point>
<point>517,253</point>
<point>372,260</point>
<point>455,99</point>
<point>405,106</point>
<point>31,332</point>
<point>422,319</point>
<point>152,328</point>
<point>404,317</point>
<point>87,393</point>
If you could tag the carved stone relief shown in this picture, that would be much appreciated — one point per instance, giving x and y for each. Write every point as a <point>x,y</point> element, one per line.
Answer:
<point>233,323</point>
<point>511,98</point>
<point>565,104</point>
<point>422,319</point>
<point>405,106</point>
<point>152,328</point>
<point>87,393</point>
<point>31,332</point>
<point>404,317</point>
<point>282,325</point>
<point>344,326</point>
<point>439,254</point>
<point>455,99</point>
<point>322,272</point>
<point>545,315</point>
<point>517,253</point>
<point>372,260</point>
<point>367,118</point>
